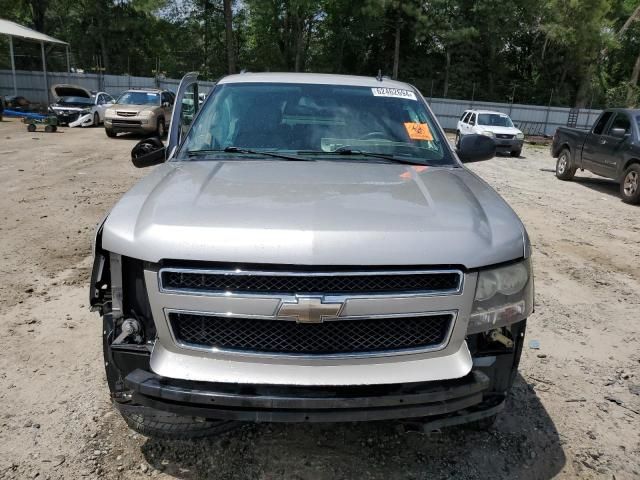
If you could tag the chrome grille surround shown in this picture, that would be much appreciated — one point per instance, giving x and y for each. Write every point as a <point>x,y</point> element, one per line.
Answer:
<point>441,338</point>
<point>275,282</point>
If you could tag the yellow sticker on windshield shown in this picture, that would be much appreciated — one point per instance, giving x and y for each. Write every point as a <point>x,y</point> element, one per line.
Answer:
<point>418,131</point>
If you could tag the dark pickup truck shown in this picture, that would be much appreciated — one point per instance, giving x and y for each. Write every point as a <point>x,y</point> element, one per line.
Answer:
<point>610,149</point>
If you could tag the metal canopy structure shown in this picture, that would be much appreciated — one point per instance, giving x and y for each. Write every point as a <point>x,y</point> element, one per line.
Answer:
<point>14,30</point>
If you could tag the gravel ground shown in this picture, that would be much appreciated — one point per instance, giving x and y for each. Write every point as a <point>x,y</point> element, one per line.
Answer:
<point>575,408</point>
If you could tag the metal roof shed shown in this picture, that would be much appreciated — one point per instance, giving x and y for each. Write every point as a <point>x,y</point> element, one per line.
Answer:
<point>12,29</point>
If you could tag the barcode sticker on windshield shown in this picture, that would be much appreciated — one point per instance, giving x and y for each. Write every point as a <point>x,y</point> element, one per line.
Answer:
<point>393,92</point>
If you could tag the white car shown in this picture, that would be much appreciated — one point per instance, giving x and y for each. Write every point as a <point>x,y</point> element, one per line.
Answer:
<point>496,125</point>
<point>76,106</point>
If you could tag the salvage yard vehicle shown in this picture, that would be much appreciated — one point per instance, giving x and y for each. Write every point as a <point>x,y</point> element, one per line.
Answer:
<point>310,249</point>
<point>141,110</point>
<point>494,125</point>
<point>610,149</point>
<point>76,106</point>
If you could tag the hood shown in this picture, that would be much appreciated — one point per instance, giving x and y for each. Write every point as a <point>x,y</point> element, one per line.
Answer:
<point>65,90</point>
<point>496,129</point>
<point>314,213</point>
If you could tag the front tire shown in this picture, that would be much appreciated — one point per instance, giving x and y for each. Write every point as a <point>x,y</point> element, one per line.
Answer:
<point>630,184</point>
<point>458,139</point>
<point>110,133</point>
<point>169,426</point>
<point>516,153</point>
<point>565,170</point>
<point>96,119</point>
<point>160,130</point>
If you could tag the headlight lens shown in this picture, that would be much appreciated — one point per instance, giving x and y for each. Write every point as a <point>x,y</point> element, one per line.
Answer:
<point>487,133</point>
<point>85,111</point>
<point>145,113</point>
<point>503,296</point>
<point>520,136</point>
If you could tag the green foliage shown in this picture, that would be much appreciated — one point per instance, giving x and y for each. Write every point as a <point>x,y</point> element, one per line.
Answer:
<point>568,52</point>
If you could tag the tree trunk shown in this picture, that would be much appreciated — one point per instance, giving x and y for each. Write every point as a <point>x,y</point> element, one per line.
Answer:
<point>228,22</point>
<point>582,95</point>
<point>102,33</point>
<point>38,10</point>
<point>396,51</point>
<point>632,96</point>
<point>447,68</point>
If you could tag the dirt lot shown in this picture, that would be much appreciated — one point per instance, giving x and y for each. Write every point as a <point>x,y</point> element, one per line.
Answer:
<point>575,409</point>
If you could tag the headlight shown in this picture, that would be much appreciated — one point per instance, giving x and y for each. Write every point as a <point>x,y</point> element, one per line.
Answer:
<point>145,113</point>
<point>85,111</point>
<point>487,133</point>
<point>520,136</point>
<point>503,296</point>
<point>109,114</point>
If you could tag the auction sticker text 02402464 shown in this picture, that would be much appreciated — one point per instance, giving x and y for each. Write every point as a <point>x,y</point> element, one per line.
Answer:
<point>393,92</point>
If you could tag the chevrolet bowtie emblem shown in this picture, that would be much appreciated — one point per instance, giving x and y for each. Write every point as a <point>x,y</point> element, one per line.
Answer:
<point>309,310</point>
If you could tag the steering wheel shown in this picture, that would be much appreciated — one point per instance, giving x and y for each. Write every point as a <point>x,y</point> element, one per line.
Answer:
<point>372,135</point>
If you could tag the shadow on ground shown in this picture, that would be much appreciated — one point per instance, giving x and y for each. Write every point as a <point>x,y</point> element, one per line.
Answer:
<point>602,185</point>
<point>524,444</point>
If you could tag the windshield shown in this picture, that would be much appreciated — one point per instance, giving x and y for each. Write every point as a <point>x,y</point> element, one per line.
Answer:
<point>494,120</point>
<point>317,120</point>
<point>82,100</point>
<point>139,98</point>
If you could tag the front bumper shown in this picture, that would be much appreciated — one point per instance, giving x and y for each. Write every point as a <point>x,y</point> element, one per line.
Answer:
<point>508,145</point>
<point>268,403</point>
<point>131,125</point>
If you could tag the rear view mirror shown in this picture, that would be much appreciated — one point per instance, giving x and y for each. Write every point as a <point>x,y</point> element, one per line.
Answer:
<point>618,132</point>
<point>148,152</point>
<point>473,148</point>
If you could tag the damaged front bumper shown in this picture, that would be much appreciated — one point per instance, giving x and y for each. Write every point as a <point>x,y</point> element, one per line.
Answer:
<point>436,404</point>
<point>83,121</point>
<point>269,403</point>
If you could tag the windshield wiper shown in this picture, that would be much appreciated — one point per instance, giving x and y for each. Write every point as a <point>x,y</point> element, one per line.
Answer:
<point>231,149</point>
<point>347,150</point>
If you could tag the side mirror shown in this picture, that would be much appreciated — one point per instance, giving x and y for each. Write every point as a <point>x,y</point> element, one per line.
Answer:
<point>472,122</point>
<point>166,104</point>
<point>618,132</point>
<point>148,152</point>
<point>473,148</point>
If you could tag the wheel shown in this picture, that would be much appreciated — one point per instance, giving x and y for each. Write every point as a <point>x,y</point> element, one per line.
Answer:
<point>630,185</point>
<point>516,153</point>
<point>31,127</point>
<point>564,168</point>
<point>458,139</point>
<point>160,128</point>
<point>48,128</point>
<point>54,128</point>
<point>110,133</point>
<point>169,426</point>
<point>96,119</point>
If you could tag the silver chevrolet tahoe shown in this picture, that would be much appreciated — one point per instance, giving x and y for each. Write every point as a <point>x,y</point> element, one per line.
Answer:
<point>310,249</point>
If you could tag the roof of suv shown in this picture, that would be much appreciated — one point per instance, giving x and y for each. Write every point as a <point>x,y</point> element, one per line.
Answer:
<point>314,78</point>
<point>486,111</point>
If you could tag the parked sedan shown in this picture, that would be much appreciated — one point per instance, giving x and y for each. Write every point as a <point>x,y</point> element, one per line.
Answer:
<point>495,125</point>
<point>76,106</point>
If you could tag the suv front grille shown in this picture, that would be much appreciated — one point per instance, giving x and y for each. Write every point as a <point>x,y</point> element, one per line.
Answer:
<point>327,338</point>
<point>325,284</point>
<point>504,136</point>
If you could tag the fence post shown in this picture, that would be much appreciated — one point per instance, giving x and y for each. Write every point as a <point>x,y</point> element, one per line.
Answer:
<point>13,67</point>
<point>513,96</point>
<point>44,71</point>
<point>546,118</point>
